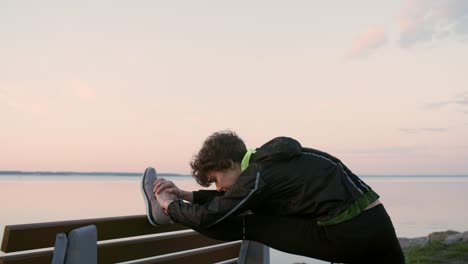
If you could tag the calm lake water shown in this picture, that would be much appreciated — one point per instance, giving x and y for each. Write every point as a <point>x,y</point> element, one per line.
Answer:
<point>417,205</point>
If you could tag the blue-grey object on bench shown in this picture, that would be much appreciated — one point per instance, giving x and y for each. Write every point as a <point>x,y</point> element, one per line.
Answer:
<point>81,246</point>
<point>60,248</point>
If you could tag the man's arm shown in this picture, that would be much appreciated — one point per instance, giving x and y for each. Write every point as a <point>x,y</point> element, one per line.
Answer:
<point>185,195</point>
<point>198,197</point>
<point>204,196</point>
<point>169,186</point>
<point>247,193</point>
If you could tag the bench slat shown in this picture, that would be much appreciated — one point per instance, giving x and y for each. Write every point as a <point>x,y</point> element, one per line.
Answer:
<point>120,251</point>
<point>148,247</point>
<point>31,258</point>
<point>217,253</point>
<point>42,235</point>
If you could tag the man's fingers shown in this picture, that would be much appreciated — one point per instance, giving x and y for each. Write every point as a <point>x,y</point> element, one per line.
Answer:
<point>160,183</point>
<point>158,180</point>
<point>171,191</point>
<point>156,185</point>
<point>164,186</point>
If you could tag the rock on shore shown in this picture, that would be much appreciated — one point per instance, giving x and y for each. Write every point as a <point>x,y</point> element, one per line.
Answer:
<point>447,237</point>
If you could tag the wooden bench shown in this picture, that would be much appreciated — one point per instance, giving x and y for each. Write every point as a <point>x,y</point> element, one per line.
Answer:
<point>120,239</point>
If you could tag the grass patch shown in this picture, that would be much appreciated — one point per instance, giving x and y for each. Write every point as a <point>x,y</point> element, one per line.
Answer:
<point>436,252</point>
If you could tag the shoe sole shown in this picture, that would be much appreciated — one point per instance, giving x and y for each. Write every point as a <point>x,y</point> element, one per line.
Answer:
<point>147,199</point>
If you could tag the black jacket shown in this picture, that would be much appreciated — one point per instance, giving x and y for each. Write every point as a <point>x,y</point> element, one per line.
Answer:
<point>282,178</point>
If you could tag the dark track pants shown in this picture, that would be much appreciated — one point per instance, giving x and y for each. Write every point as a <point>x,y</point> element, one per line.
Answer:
<point>367,238</point>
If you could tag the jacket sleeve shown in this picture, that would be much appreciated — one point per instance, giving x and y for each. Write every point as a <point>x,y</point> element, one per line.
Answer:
<point>204,196</point>
<point>247,193</point>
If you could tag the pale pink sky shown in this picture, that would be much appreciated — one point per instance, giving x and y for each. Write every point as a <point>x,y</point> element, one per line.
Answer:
<point>118,86</point>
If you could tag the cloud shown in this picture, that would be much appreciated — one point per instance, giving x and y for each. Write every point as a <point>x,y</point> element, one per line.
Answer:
<point>420,21</point>
<point>365,43</point>
<point>460,101</point>
<point>433,129</point>
<point>421,130</point>
<point>389,150</point>
<point>437,104</point>
<point>27,102</point>
<point>423,20</point>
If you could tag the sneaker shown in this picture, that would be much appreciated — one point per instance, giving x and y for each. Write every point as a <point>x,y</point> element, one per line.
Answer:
<point>154,211</point>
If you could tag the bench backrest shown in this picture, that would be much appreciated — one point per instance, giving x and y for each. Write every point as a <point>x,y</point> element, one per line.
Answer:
<point>119,240</point>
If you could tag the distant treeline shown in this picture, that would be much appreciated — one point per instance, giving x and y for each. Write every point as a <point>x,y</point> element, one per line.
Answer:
<point>71,173</point>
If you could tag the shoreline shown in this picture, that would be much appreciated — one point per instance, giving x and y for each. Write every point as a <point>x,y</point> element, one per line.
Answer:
<point>447,237</point>
<point>448,247</point>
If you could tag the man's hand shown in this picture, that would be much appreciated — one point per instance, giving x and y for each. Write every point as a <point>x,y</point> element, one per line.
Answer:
<point>163,185</point>
<point>165,198</point>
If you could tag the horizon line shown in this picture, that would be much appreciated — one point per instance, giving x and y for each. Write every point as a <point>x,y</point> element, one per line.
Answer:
<point>86,173</point>
<point>109,173</point>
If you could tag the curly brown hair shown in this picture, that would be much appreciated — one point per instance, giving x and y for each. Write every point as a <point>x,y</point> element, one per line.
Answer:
<point>218,152</point>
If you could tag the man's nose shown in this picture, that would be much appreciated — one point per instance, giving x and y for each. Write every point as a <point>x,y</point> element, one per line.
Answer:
<point>219,188</point>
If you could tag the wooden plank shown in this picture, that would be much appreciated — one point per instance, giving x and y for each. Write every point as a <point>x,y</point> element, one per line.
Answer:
<point>120,251</point>
<point>43,257</point>
<point>148,247</point>
<point>214,254</point>
<point>5,239</point>
<point>42,235</point>
<point>230,261</point>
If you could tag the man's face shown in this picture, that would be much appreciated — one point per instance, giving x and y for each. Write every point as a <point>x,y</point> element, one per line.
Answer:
<point>226,178</point>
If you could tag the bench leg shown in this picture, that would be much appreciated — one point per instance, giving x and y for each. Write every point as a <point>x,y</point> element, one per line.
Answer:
<point>253,252</point>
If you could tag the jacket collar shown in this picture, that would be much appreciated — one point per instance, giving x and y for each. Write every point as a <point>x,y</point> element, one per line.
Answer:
<point>246,159</point>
